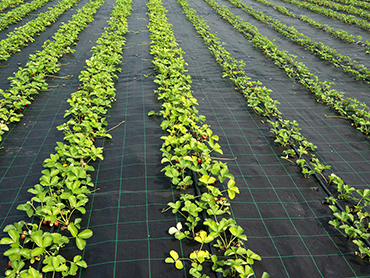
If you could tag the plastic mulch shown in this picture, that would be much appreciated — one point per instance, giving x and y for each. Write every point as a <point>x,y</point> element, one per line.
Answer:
<point>282,212</point>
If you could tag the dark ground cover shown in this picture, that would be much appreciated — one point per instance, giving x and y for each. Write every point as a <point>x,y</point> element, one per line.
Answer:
<point>281,211</point>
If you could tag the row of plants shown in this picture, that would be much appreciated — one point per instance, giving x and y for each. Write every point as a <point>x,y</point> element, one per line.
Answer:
<point>186,152</point>
<point>60,198</point>
<point>19,13</point>
<point>349,19</point>
<point>340,34</point>
<point>31,79</point>
<point>25,34</point>
<point>349,108</point>
<point>317,48</point>
<point>362,4</point>
<point>349,8</point>
<point>297,149</point>
<point>6,4</point>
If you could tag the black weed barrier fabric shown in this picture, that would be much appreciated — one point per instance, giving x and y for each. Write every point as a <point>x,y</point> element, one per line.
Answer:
<point>282,212</point>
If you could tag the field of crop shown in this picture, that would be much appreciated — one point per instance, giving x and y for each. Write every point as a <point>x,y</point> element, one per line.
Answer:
<point>183,138</point>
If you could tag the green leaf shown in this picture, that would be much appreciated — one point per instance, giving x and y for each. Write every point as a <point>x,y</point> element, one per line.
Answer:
<point>9,227</point>
<point>73,269</point>
<point>11,252</point>
<point>206,197</point>
<point>82,264</point>
<point>231,194</point>
<point>231,183</point>
<point>253,255</point>
<point>165,159</point>
<point>37,238</point>
<point>25,253</point>
<point>31,273</point>
<point>73,230</point>
<point>207,179</point>
<point>6,240</point>
<point>169,260</point>
<point>174,254</point>
<point>47,268</point>
<point>202,237</point>
<point>179,264</point>
<point>72,201</point>
<point>37,251</point>
<point>232,189</point>
<point>23,207</point>
<point>47,241</point>
<point>77,258</point>
<point>237,231</point>
<point>85,234</point>
<point>174,259</point>
<point>175,206</point>
<point>30,212</point>
<point>14,235</point>
<point>81,243</point>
